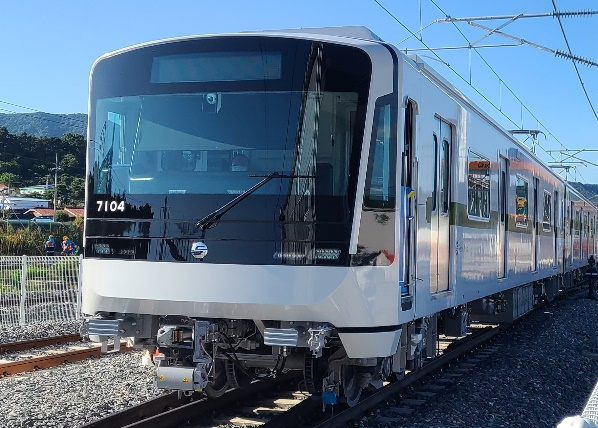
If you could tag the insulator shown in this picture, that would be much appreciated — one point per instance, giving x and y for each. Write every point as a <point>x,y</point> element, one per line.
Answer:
<point>570,14</point>
<point>575,58</point>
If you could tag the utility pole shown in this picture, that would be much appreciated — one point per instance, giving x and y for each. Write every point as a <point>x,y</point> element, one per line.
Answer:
<point>55,187</point>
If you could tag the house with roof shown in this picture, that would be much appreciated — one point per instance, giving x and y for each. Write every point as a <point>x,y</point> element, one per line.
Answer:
<point>18,204</point>
<point>74,212</point>
<point>43,213</point>
<point>40,189</point>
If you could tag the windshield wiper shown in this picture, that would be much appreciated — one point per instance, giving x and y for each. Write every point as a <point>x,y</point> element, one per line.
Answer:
<point>213,218</point>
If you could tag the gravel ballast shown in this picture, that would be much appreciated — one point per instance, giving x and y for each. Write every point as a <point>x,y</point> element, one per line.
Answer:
<point>74,394</point>
<point>544,370</point>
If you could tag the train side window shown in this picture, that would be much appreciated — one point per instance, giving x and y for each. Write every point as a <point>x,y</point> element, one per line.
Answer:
<point>503,196</point>
<point>547,214</point>
<point>478,186</point>
<point>380,187</point>
<point>521,195</point>
<point>585,225</point>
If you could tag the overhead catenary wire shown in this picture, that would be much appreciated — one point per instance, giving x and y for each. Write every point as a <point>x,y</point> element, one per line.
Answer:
<point>583,86</point>
<point>506,86</point>
<point>68,121</point>
<point>464,79</point>
<point>523,105</point>
<point>570,56</point>
<point>38,111</point>
<point>555,14</point>
<point>444,62</point>
<point>82,127</point>
<point>555,52</point>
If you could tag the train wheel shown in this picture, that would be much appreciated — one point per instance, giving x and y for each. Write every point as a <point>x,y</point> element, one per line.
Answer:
<point>236,377</point>
<point>351,390</point>
<point>219,385</point>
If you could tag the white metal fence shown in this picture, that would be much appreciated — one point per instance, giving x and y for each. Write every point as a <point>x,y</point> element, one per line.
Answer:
<point>39,289</point>
<point>591,409</point>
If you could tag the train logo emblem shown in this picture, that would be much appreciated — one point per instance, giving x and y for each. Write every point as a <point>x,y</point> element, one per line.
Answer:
<point>199,250</point>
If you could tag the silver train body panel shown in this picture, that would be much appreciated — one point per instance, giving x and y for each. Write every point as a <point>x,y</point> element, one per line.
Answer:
<point>462,252</point>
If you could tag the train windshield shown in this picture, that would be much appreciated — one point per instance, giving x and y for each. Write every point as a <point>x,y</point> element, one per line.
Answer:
<point>174,145</point>
<point>203,120</point>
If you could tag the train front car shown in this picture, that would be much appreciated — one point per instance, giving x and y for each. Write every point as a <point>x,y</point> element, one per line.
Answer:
<point>241,209</point>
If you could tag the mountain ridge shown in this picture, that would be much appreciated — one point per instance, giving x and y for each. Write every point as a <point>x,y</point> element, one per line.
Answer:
<point>42,124</point>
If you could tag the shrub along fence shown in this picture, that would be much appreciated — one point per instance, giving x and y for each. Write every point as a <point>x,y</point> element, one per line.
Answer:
<point>39,289</point>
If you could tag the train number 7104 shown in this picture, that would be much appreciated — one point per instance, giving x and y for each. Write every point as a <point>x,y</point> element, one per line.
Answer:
<point>111,206</point>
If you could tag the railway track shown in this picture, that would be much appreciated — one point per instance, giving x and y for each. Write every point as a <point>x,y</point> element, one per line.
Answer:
<point>271,403</point>
<point>52,357</point>
<point>270,397</point>
<point>26,345</point>
<point>280,402</point>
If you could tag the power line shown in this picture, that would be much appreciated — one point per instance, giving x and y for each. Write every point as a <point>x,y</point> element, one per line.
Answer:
<point>464,79</point>
<point>557,14</point>
<point>75,126</point>
<point>574,63</point>
<point>556,52</point>
<point>445,63</point>
<point>574,58</point>
<point>503,82</point>
<point>39,111</point>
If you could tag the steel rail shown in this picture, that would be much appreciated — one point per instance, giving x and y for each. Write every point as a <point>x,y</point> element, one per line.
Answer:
<point>49,361</point>
<point>453,352</point>
<point>167,411</point>
<point>138,413</point>
<point>352,413</point>
<point>25,345</point>
<point>310,412</point>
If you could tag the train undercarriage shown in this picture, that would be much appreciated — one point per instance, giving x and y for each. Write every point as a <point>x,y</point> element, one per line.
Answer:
<point>214,355</point>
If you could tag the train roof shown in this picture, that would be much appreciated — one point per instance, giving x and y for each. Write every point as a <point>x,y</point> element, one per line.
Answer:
<point>353,32</point>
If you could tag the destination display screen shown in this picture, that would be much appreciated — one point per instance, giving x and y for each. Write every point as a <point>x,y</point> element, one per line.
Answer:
<point>216,67</point>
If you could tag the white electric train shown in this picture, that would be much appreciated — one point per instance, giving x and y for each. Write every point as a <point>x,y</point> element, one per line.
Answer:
<point>308,200</point>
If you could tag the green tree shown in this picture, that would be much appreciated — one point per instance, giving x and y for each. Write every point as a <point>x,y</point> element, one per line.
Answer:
<point>76,190</point>
<point>8,178</point>
<point>62,216</point>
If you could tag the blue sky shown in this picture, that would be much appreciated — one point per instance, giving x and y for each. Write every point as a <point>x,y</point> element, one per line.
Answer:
<point>48,49</point>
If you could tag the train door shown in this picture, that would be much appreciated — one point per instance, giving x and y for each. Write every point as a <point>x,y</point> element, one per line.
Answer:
<point>503,189</point>
<point>408,183</point>
<point>440,227</point>
<point>577,228</point>
<point>584,236</point>
<point>555,228</point>
<point>593,236</point>
<point>571,234</point>
<point>535,227</point>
